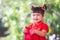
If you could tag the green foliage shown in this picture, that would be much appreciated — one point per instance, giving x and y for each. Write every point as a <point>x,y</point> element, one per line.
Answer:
<point>18,14</point>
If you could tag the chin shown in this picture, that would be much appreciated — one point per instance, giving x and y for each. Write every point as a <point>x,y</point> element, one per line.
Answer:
<point>35,21</point>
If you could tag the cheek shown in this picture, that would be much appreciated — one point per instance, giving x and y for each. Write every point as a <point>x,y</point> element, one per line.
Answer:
<point>31,16</point>
<point>40,17</point>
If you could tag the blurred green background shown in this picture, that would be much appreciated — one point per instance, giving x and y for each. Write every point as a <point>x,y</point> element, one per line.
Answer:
<point>16,14</point>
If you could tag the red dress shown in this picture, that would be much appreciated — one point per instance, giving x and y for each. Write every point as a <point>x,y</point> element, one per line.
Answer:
<point>39,26</point>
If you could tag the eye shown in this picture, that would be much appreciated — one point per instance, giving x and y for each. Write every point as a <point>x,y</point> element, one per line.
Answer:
<point>38,15</point>
<point>33,15</point>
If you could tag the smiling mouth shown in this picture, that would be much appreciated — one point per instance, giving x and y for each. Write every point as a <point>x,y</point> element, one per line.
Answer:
<point>35,19</point>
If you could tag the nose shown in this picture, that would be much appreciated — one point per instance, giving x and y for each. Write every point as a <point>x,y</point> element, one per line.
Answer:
<point>35,16</point>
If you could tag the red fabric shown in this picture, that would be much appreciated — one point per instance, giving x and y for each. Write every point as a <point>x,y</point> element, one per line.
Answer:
<point>39,26</point>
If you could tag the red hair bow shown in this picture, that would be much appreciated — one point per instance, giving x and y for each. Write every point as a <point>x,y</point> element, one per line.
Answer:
<point>43,7</point>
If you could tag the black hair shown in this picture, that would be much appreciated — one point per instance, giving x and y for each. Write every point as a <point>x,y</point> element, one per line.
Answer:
<point>39,9</point>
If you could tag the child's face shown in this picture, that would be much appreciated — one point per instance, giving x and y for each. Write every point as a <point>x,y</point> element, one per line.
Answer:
<point>36,17</point>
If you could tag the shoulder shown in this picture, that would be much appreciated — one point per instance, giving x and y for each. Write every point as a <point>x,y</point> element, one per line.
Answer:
<point>45,24</point>
<point>45,27</point>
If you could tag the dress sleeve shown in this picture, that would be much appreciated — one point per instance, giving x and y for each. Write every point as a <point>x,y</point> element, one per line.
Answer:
<point>45,27</point>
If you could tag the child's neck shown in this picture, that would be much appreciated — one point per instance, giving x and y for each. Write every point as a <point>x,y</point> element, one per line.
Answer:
<point>37,22</point>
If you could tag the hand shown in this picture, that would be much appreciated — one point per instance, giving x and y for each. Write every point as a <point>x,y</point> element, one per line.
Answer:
<point>33,31</point>
<point>25,30</point>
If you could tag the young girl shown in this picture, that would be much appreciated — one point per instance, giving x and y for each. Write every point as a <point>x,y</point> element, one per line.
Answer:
<point>37,30</point>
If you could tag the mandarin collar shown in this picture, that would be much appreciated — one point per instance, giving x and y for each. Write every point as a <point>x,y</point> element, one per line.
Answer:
<point>38,23</point>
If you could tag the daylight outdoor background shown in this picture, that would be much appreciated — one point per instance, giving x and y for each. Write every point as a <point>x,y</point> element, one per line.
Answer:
<point>15,14</point>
